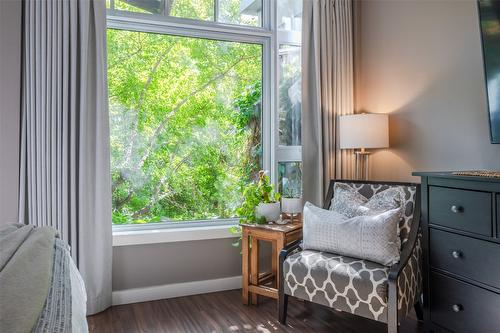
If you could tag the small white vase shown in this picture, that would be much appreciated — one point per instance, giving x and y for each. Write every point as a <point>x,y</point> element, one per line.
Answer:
<point>291,205</point>
<point>271,211</point>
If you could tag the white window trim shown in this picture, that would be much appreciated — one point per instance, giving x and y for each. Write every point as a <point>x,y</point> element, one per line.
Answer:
<point>169,232</point>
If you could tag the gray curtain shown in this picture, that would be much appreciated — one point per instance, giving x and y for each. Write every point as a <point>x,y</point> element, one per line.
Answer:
<point>327,93</point>
<point>65,177</point>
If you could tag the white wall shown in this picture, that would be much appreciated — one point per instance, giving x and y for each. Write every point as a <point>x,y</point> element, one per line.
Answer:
<point>10,106</point>
<point>421,62</point>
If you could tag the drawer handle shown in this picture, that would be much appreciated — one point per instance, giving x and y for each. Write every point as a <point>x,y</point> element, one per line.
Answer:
<point>457,209</point>
<point>457,307</point>
<point>456,254</point>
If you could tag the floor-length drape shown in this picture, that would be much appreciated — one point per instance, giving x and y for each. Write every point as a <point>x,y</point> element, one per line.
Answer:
<point>65,178</point>
<point>327,93</point>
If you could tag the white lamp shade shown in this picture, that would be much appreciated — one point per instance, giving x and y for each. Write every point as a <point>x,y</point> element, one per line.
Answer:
<point>364,131</point>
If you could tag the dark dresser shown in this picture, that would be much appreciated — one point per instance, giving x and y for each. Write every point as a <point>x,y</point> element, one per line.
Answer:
<point>461,252</point>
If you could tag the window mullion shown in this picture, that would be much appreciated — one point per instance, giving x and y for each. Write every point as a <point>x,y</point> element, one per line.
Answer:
<point>216,10</point>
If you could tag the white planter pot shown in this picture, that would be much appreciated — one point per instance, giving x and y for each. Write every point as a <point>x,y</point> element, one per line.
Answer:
<point>291,205</point>
<point>271,211</point>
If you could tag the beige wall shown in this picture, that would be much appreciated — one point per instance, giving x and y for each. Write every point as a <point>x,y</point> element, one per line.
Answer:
<point>158,264</point>
<point>10,107</point>
<point>421,61</point>
<point>148,265</point>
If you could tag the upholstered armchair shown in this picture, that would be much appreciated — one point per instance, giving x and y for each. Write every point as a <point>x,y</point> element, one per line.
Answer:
<point>360,287</point>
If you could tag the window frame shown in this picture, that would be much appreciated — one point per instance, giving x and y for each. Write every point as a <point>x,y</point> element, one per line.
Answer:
<point>266,36</point>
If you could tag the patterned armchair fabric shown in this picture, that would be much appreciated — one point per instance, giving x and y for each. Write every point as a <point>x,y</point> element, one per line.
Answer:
<point>353,285</point>
<point>340,282</point>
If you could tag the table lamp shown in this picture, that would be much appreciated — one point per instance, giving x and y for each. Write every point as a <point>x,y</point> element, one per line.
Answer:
<point>363,131</point>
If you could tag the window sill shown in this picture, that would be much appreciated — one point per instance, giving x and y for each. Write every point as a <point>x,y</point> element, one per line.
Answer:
<point>154,234</point>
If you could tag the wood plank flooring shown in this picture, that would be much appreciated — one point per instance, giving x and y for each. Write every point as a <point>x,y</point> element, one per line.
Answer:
<point>224,312</point>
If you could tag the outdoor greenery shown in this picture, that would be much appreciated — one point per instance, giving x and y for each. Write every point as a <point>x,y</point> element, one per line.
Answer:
<point>185,125</point>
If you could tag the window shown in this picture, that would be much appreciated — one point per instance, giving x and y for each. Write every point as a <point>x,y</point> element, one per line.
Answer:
<point>192,101</point>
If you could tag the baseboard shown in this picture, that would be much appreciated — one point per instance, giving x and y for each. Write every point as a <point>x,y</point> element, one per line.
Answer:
<point>145,294</point>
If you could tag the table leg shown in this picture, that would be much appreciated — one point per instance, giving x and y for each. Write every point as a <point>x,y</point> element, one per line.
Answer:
<point>274,264</point>
<point>244,270</point>
<point>280,244</point>
<point>254,266</point>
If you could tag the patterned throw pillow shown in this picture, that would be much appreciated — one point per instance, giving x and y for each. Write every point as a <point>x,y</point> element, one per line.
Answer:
<point>350,203</point>
<point>370,237</point>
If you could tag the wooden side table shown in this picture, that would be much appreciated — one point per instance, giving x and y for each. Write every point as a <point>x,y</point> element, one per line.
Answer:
<point>279,236</point>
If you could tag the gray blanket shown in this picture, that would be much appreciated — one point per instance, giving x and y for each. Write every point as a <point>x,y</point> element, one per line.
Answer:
<point>26,264</point>
<point>56,313</point>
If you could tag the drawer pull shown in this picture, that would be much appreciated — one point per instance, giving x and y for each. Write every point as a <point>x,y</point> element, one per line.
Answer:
<point>457,209</point>
<point>457,307</point>
<point>456,254</point>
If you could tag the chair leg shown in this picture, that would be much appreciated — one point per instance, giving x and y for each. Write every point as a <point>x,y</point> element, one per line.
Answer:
<point>282,308</point>
<point>392,307</point>
<point>418,311</point>
<point>392,328</point>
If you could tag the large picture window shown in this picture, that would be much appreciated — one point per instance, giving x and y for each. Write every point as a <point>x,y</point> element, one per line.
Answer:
<point>192,107</point>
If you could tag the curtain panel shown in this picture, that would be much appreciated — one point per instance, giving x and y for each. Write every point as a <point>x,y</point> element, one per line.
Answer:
<point>64,172</point>
<point>327,93</point>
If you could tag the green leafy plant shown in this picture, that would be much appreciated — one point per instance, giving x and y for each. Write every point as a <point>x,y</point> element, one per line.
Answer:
<point>255,193</point>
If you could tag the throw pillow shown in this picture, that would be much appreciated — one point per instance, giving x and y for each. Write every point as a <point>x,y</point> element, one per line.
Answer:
<point>370,237</point>
<point>349,202</point>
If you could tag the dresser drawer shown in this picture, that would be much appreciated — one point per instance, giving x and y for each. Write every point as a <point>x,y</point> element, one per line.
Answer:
<point>461,209</point>
<point>462,307</point>
<point>465,256</point>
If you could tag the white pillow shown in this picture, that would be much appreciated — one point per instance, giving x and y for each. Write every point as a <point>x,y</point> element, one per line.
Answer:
<point>370,237</point>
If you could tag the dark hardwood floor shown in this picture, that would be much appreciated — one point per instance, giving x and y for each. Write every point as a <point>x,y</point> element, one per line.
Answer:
<point>223,312</point>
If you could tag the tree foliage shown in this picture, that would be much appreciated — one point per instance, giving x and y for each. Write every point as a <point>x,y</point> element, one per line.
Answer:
<point>185,125</point>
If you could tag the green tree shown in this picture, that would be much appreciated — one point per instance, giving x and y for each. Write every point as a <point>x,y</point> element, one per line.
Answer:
<point>185,125</point>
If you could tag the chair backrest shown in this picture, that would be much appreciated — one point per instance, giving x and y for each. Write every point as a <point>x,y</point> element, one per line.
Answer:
<point>369,188</point>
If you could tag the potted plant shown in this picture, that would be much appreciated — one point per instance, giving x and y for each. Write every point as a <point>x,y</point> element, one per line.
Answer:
<point>291,202</point>
<point>261,203</point>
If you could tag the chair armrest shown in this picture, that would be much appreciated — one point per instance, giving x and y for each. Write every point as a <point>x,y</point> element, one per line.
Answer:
<point>411,243</point>
<point>289,249</point>
<point>284,253</point>
<point>407,252</point>
<point>404,280</point>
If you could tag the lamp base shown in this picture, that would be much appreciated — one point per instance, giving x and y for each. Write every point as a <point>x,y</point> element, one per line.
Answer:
<point>362,164</point>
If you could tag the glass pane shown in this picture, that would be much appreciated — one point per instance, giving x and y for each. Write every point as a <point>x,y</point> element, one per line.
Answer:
<point>191,9</point>
<point>185,125</point>
<point>290,103</point>
<point>140,6</point>
<point>290,179</point>
<point>243,12</point>
<point>290,15</point>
